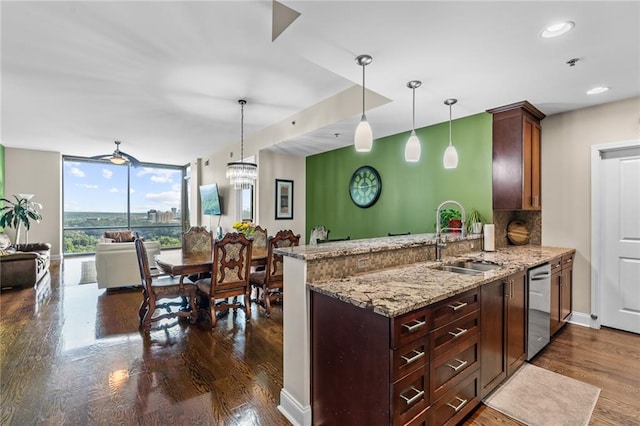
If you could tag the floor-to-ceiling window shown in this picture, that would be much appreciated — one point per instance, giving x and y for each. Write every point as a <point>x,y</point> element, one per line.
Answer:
<point>100,196</point>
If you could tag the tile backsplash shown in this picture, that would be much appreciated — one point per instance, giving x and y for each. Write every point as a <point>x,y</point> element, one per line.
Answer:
<point>531,219</point>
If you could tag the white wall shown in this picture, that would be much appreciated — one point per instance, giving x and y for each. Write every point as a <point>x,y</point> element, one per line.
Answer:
<point>274,166</point>
<point>271,166</point>
<point>40,173</point>
<point>566,179</point>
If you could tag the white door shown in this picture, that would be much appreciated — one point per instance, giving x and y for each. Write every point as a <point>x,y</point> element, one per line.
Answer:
<point>620,220</point>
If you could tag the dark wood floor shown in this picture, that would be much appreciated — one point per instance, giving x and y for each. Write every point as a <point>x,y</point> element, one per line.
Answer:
<point>72,354</point>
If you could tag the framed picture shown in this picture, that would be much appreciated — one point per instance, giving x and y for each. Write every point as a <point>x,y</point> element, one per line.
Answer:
<point>284,199</point>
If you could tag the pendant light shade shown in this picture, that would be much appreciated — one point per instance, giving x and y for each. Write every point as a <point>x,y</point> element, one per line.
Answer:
<point>242,175</point>
<point>412,148</point>
<point>363,139</point>
<point>450,159</point>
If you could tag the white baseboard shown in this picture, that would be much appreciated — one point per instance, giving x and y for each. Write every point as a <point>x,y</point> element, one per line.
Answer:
<point>293,411</point>
<point>585,320</point>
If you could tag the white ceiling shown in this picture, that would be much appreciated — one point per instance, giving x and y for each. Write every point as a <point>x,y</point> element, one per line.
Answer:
<point>164,77</point>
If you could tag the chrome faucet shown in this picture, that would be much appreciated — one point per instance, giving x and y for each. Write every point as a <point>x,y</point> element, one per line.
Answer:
<point>439,243</point>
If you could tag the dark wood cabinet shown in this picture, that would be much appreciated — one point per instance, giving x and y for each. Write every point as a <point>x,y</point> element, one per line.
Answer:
<point>493,368</point>
<point>503,332</point>
<point>428,357</point>
<point>556,280</point>
<point>516,157</point>
<point>561,291</point>
<point>516,319</point>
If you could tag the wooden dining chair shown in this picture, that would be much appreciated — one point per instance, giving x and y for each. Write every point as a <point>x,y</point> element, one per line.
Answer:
<point>270,283</point>
<point>197,240</point>
<point>158,287</point>
<point>228,287</point>
<point>259,237</point>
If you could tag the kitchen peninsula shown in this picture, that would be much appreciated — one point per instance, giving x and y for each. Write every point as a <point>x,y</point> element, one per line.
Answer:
<point>359,313</point>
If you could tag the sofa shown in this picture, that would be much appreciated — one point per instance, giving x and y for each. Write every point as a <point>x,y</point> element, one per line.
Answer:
<point>117,263</point>
<point>23,265</point>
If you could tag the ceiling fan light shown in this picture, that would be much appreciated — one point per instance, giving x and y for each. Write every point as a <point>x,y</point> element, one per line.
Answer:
<point>450,159</point>
<point>412,148</point>
<point>363,139</point>
<point>118,159</point>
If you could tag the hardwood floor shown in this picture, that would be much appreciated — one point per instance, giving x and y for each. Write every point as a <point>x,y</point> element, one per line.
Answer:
<point>73,354</point>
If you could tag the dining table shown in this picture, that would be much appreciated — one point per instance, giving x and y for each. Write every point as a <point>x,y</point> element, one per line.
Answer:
<point>180,263</point>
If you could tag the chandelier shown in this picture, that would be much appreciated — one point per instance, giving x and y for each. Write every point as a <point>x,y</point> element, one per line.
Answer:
<point>242,175</point>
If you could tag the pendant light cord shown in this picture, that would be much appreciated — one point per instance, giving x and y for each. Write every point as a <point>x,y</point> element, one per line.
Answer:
<point>363,86</point>
<point>242,102</point>
<point>449,124</point>
<point>413,125</point>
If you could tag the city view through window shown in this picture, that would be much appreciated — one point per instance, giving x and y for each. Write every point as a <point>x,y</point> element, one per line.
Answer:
<point>100,196</point>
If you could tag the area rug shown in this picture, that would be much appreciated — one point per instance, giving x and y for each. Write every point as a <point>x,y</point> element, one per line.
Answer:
<point>88,272</point>
<point>536,396</point>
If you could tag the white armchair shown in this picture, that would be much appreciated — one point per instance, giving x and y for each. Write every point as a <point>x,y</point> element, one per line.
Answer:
<point>117,263</point>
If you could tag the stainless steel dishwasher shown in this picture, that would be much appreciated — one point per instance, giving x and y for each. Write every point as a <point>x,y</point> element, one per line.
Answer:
<point>539,280</point>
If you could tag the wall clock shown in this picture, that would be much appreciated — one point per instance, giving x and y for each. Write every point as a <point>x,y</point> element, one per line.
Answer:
<point>365,186</point>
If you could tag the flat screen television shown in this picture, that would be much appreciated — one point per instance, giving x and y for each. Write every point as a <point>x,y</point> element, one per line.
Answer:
<point>210,199</point>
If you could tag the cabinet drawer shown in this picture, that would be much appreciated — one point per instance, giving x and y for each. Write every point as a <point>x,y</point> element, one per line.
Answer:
<point>421,419</point>
<point>556,264</point>
<point>455,307</point>
<point>410,396</point>
<point>446,338</point>
<point>409,357</point>
<point>567,260</point>
<point>409,327</point>
<point>452,367</point>
<point>456,404</point>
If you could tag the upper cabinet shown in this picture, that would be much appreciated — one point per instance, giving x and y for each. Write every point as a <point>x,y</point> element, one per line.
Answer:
<point>516,157</point>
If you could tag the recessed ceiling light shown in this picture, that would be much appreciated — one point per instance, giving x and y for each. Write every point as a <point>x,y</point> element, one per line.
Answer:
<point>596,90</point>
<point>558,29</point>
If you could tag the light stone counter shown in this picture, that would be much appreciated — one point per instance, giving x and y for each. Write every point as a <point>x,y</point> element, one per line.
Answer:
<point>368,245</point>
<point>396,291</point>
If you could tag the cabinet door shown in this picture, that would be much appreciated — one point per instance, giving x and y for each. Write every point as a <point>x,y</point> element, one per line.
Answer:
<point>565,294</point>
<point>493,362</point>
<point>556,279</point>
<point>516,319</point>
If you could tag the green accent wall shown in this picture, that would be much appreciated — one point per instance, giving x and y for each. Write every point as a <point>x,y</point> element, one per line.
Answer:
<point>411,192</point>
<point>1,177</point>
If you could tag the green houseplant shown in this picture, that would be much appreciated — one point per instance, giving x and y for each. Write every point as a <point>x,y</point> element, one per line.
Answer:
<point>450,218</point>
<point>474,217</point>
<point>19,213</point>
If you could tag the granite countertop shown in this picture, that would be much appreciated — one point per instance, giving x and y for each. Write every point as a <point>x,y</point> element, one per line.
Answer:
<point>396,291</point>
<point>368,245</point>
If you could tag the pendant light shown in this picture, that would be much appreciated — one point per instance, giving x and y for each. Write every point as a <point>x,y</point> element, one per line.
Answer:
<point>363,140</point>
<point>412,148</point>
<point>450,159</point>
<point>242,175</point>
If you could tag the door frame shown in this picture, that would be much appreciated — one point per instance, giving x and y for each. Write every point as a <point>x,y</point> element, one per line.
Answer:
<point>596,218</point>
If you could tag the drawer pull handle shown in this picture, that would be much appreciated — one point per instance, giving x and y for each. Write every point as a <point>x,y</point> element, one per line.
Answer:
<point>459,366</point>
<point>414,398</point>
<point>460,305</point>
<point>457,408</point>
<point>417,324</point>
<point>414,358</point>
<point>460,332</point>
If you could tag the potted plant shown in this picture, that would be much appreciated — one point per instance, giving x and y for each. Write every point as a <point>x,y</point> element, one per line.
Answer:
<point>474,222</point>
<point>19,213</point>
<point>451,220</point>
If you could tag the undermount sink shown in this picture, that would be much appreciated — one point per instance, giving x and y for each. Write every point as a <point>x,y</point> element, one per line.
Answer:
<point>468,267</point>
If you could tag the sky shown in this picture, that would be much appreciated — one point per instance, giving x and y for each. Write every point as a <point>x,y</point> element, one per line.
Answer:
<point>102,187</point>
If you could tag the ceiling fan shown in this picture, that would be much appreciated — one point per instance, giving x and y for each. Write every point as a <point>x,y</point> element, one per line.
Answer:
<point>118,157</point>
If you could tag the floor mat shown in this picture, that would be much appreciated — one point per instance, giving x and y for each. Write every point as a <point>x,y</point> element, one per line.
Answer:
<point>536,396</point>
